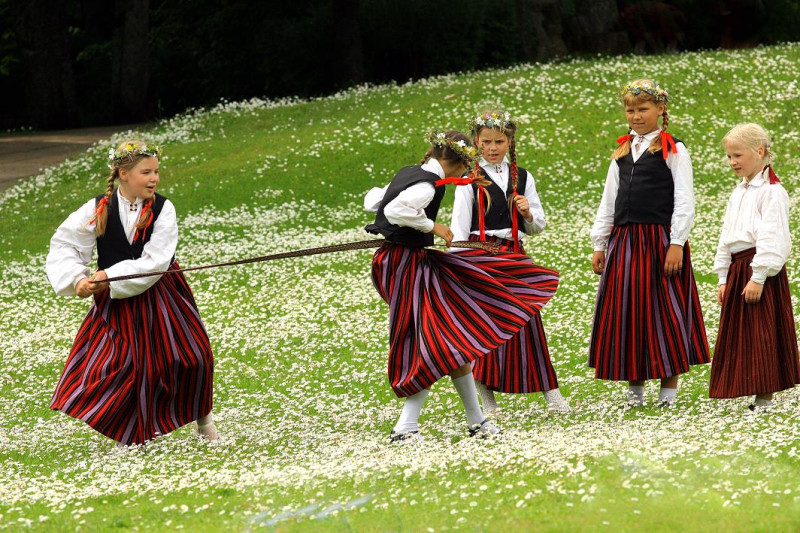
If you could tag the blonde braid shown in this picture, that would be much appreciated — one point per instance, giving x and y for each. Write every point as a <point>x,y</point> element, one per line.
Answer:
<point>101,212</point>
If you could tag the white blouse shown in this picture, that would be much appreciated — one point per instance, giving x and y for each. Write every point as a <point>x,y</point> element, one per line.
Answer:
<point>408,208</point>
<point>757,216</point>
<point>73,243</point>
<point>680,164</point>
<point>465,198</point>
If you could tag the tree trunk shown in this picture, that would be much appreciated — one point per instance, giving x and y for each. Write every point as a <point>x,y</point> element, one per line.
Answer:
<point>48,75</point>
<point>130,74</point>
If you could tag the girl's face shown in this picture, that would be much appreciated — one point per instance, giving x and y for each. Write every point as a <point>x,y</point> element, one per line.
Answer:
<point>643,116</point>
<point>141,180</point>
<point>494,144</point>
<point>743,160</point>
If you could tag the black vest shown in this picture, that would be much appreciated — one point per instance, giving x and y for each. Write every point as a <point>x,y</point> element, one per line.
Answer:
<point>646,193</point>
<point>113,245</point>
<point>498,216</point>
<point>404,179</point>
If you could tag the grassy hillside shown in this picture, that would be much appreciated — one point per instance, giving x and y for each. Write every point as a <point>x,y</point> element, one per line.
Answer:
<point>301,395</point>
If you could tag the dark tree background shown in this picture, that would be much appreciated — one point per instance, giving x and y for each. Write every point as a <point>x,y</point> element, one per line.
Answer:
<point>69,63</point>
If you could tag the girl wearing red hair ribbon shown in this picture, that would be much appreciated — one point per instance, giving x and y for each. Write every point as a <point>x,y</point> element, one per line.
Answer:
<point>647,323</point>
<point>141,365</point>
<point>756,349</point>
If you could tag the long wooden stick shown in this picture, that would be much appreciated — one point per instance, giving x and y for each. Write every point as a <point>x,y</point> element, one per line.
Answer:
<point>358,245</point>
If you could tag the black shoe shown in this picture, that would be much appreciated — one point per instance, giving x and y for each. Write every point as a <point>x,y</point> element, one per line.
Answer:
<point>408,435</point>
<point>484,429</point>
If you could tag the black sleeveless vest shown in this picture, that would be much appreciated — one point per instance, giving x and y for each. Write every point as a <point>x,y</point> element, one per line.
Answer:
<point>646,193</point>
<point>404,179</point>
<point>498,216</point>
<point>113,245</point>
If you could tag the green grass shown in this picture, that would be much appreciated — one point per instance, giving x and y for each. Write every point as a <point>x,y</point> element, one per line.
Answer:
<point>301,395</point>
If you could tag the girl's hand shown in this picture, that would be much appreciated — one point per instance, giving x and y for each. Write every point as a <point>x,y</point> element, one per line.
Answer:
<point>721,294</point>
<point>523,207</point>
<point>752,292</point>
<point>674,262</point>
<point>97,288</point>
<point>598,262</point>
<point>440,230</point>
<point>83,288</point>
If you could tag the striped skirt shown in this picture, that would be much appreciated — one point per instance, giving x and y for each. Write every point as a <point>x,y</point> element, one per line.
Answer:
<point>445,311</point>
<point>756,349</point>
<point>523,363</point>
<point>140,367</point>
<point>646,325</point>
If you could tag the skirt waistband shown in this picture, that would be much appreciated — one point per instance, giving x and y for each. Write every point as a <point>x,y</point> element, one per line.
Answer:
<point>744,254</point>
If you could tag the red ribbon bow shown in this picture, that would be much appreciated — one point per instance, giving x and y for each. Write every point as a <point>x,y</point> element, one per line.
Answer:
<point>624,138</point>
<point>455,181</point>
<point>773,179</point>
<point>667,143</point>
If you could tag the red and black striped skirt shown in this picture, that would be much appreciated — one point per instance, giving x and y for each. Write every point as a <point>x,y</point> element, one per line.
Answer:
<point>646,325</point>
<point>445,311</point>
<point>140,367</point>
<point>522,364</point>
<point>756,349</point>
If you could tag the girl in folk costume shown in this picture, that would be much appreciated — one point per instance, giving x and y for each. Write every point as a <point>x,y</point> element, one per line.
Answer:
<point>445,311</point>
<point>504,211</point>
<point>647,323</point>
<point>756,349</point>
<point>141,364</point>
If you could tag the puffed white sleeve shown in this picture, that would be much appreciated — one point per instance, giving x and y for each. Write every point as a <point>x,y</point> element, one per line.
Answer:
<point>680,165</point>
<point>408,208</point>
<point>372,201</point>
<point>538,223</point>
<point>71,250</point>
<point>156,255</point>
<point>462,212</point>
<point>773,240</point>
<point>722,259</point>
<point>604,220</point>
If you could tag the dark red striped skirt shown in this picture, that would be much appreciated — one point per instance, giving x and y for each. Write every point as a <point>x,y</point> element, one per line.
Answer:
<point>522,364</point>
<point>445,312</point>
<point>756,349</point>
<point>140,367</point>
<point>646,325</point>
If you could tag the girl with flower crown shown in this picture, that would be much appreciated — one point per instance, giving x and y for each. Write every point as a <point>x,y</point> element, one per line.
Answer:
<point>445,311</point>
<point>503,212</point>
<point>141,364</point>
<point>647,323</point>
<point>756,349</point>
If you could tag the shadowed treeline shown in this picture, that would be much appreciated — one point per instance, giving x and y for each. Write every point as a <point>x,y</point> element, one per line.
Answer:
<point>69,63</point>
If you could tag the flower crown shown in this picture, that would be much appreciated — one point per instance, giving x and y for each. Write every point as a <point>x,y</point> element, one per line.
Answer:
<point>492,119</point>
<point>116,155</point>
<point>465,151</point>
<point>655,91</point>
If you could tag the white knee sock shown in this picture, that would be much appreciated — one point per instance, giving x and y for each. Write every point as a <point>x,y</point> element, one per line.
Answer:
<point>409,416</point>
<point>636,393</point>
<point>667,394</point>
<point>487,397</point>
<point>465,385</point>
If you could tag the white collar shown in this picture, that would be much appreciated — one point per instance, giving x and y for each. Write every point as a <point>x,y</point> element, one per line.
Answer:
<point>492,166</point>
<point>138,201</point>
<point>757,181</point>
<point>648,136</point>
<point>434,166</point>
